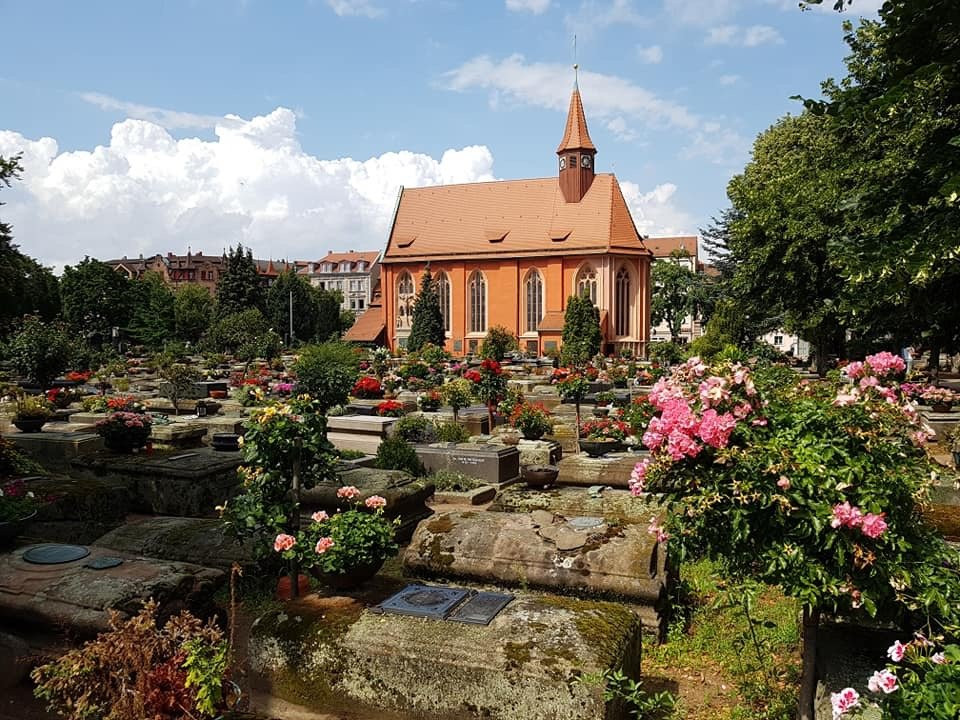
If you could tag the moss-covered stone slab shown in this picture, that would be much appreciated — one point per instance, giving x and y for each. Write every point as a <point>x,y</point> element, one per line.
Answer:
<point>79,599</point>
<point>941,423</point>
<point>542,550</point>
<point>187,483</point>
<point>332,654</point>
<point>78,509</point>
<point>613,469</point>
<point>406,496</point>
<point>615,506</point>
<point>54,448</point>
<point>196,540</point>
<point>943,510</point>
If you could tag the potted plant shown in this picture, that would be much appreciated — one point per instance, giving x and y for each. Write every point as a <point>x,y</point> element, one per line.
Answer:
<point>31,414</point>
<point>532,420</point>
<point>618,376</point>
<point>604,400</point>
<point>391,386</point>
<point>603,435</point>
<point>367,388</point>
<point>18,507</point>
<point>345,549</point>
<point>390,408</point>
<point>60,397</point>
<point>939,399</point>
<point>429,401</point>
<point>539,476</point>
<point>125,431</point>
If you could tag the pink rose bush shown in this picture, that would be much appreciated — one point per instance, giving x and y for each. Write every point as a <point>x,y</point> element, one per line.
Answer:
<point>814,488</point>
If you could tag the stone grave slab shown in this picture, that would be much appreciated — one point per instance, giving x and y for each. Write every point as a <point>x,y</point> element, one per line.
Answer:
<point>943,511</point>
<point>87,418</point>
<point>80,509</point>
<point>940,423</point>
<point>539,452</point>
<point>362,407</point>
<point>574,556</point>
<point>177,436</point>
<point>613,469</point>
<point>406,496</point>
<point>615,506</point>
<point>80,598</point>
<point>187,483</point>
<point>197,540</point>
<point>497,465</point>
<point>55,449</point>
<point>331,654</point>
<point>359,432</point>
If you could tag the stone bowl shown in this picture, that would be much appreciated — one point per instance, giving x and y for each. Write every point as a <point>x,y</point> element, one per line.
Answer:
<point>30,425</point>
<point>540,476</point>
<point>598,448</point>
<point>349,580</point>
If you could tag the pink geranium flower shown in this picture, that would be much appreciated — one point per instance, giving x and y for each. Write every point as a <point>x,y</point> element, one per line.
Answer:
<point>319,516</point>
<point>323,544</point>
<point>882,681</point>
<point>348,491</point>
<point>873,526</point>
<point>374,502</point>
<point>658,532</point>
<point>845,515</point>
<point>895,652</point>
<point>284,542</point>
<point>844,701</point>
<point>783,483</point>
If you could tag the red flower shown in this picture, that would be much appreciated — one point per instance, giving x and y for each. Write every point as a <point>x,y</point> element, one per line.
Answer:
<point>390,408</point>
<point>473,376</point>
<point>367,386</point>
<point>490,365</point>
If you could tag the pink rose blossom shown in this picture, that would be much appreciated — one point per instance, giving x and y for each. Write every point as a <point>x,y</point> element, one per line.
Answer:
<point>658,532</point>
<point>868,382</point>
<point>938,658</point>
<point>375,501</point>
<point>715,429</point>
<point>844,399</point>
<point>284,542</point>
<point>348,491</point>
<point>783,483</point>
<point>319,516</point>
<point>895,652</point>
<point>323,544</point>
<point>853,370</point>
<point>882,681</point>
<point>844,701</point>
<point>638,478</point>
<point>846,515</point>
<point>873,526</point>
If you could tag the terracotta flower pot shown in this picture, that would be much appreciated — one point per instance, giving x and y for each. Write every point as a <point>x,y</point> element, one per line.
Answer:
<point>283,586</point>
<point>353,578</point>
<point>540,476</point>
<point>29,425</point>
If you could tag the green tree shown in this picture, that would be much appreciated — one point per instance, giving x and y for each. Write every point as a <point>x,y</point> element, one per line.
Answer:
<point>582,336</point>
<point>675,289</point>
<point>305,307</point>
<point>246,334</point>
<point>239,288</point>
<point>327,372</point>
<point>96,298</point>
<point>40,351</point>
<point>192,311</point>
<point>153,322</point>
<point>330,318</point>
<point>497,343</point>
<point>427,324</point>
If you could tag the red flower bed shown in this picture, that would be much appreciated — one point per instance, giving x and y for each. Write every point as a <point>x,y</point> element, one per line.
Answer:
<point>390,408</point>
<point>75,376</point>
<point>367,387</point>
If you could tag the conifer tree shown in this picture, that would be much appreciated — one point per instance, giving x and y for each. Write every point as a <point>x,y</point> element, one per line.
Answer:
<point>427,325</point>
<point>239,288</point>
<point>582,336</point>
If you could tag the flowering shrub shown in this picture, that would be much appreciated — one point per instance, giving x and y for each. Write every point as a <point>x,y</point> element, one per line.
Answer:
<point>882,365</point>
<point>513,399</point>
<point>125,431</point>
<point>572,386</point>
<point>920,683</point>
<point>457,394</point>
<point>605,429</point>
<point>31,408</point>
<point>367,387</point>
<point>532,420</point>
<point>638,415</point>
<point>360,536</point>
<point>61,397</point>
<point>933,395</point>
<point>282,389</point>
<point>430,400</point>
<point>390,408</point>
<point>491,386</point>
<point>16,502</point>
<point>814,488</point>
<point>125,403</point>
<point>250,395</point>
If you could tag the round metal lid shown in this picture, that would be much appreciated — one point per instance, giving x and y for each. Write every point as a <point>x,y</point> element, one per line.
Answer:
<point>54,554</point>
<point>103,563</point>
<point>584,522</point>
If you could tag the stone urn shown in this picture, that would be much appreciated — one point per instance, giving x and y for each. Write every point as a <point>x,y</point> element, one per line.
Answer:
<point>601,411</point>
<point>353,578</point>
<point>598,448</point>
<point>10,530</point>
<point>540,476</point>
<point>29,425</point>
<point>941,407</point>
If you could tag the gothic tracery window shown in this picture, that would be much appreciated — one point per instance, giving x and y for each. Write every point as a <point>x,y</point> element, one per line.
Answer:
<point>405,298</point>
<point>623,301</point>
<point>586,283</point>
<point>477,295</point>
<point>533,305</point>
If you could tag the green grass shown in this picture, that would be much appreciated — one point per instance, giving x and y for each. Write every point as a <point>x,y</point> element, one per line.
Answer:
<point>722,670</point>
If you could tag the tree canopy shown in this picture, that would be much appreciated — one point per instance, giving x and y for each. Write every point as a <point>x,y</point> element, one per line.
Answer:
<point>427,323</point>
<point>305,307</point>
<point>582,336</point>
<point>96,298</point>
<point>239,287</point>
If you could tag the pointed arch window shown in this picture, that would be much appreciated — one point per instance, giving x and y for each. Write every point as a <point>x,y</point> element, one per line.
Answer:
<point>443,290</point>
<point>587,283</point>
<point>623,301</point>
<point>533,301</point>
<point>477,296</point>
<point>405,297</point>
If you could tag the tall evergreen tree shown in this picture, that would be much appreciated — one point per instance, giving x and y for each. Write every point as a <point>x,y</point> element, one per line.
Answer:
<point>582,336</point>
<point>240,288</point>
<point>427,324</point>
<point>305,307</point>
<point>153,321</point>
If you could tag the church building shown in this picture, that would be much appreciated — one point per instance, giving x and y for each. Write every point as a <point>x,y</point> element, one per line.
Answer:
<point>510,253</point>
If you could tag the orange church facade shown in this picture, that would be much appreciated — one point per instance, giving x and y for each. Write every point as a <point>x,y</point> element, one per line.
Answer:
<point>510,253</point>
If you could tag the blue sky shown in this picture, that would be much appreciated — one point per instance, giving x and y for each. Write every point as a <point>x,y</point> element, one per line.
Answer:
<point>121,110</point>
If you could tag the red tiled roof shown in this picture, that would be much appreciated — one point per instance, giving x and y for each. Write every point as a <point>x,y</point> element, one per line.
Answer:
<point>662,247</point>
<point>368,327</point>
<point>552,321</point>
<point>575,135</point>
<point>512,217</point>
<point>333,257</point>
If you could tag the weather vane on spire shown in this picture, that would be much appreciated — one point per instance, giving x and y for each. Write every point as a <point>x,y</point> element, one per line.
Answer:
<point>576,65</point>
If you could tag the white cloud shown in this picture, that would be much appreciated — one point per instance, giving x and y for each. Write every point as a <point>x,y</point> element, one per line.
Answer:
<point>752,36</point>
<point>618,126</point>
<point>532,6</point>
<point>700,12</point>
<point>651,55</point>
<point>359,8</point>
<point>655,212</point>
<point>147,192</point>
<point>170,119</point>
<point>718,145</point>
<point>593,16</point>
<point>548,85</point>
<point>727,80</point>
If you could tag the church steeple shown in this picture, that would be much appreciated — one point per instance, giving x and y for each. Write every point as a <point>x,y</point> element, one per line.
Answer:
<point>576,151</point>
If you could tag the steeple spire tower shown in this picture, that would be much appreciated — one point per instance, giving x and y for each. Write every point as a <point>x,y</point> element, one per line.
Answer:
<point>576,150</point>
